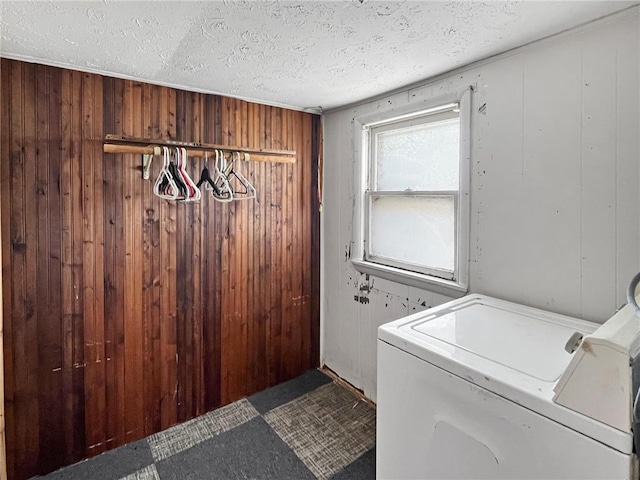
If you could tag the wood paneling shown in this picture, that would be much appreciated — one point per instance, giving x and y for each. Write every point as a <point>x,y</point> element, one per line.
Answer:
<point>125,314</point>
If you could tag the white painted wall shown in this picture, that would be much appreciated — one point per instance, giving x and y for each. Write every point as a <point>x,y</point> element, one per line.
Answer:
<point>555,196</point>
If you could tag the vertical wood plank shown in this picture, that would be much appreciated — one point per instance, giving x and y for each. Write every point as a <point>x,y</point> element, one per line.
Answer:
<point>31,249</point>
<point>4,141</point>
<point>6,148</point>
<point>180,276</point>
<point>151,271</point>
<point>133,324</point>
<point>281,253</point>
<point>153,224</point>
<point>137,430</point>
<point>288,355</point>
<point>229,328</point>
<point>92,337</point>
<point>93,290</point>
<point>260,239</point>
<point>226,226</point>
<point>212,279</point>
<point>3,443</point>
<point>256,338</point>
<point>56,448</point>
<point>147,274</point>
<point>168,302</point>
<point>165,333</point>
<point>275,323</point>
<point>184,274</point>
<point>77,273</point>
<point>98,241</point>
<point>114,267</point>
<point>261,180</point>
<point>22,244</point>
<point>5,119</point>
<point>51,440</point>
<point>235,384</point>
<point>119,253</point>
<point>71,191</point>
<point>243,237</point>
<point>15,394</point>
<point>266,187</point>
<point>195,167</point>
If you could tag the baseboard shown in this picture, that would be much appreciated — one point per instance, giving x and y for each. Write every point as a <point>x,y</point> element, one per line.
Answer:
<point>342,382</point>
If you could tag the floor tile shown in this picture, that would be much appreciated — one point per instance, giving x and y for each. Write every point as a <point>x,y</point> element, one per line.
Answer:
<point>147,473</point>
<point>287,391</point>
<point>328,428</point>
<point>110,465</point>
<point>186,435</point>
<point>363,468</point>
<point>312,428</point>
<point>251,450</point>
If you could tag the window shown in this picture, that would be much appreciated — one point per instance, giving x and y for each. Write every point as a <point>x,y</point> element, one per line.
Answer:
<point>415,201</point>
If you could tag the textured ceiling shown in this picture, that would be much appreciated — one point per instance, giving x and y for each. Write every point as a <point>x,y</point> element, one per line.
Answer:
<point>304,54</point>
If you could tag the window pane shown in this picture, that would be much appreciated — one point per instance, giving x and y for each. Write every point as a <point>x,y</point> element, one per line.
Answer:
<point>416,230</point>
<point>419,157</point>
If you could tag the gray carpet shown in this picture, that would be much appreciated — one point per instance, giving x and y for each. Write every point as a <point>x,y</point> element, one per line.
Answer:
<point>306,428</point>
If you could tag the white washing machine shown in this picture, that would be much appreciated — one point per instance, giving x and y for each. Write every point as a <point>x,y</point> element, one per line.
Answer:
<point>466,390</point>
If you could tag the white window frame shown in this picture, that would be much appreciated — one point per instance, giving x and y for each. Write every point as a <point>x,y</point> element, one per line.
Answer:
<point>454,285</point>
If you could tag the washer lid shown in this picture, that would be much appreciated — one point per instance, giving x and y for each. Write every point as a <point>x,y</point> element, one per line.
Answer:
<point>512,350</point>
<point>514,339</point>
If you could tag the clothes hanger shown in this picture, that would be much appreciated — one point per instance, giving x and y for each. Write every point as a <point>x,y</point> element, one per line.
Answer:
<point>248,191</point>
<point>224,192</point>
<point>165,186</point>
<point>183,191</point>
<point>193,192</point>
<point>205,177</point>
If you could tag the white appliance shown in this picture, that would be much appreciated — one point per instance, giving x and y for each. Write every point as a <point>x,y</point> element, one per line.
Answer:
<point>483,388</point>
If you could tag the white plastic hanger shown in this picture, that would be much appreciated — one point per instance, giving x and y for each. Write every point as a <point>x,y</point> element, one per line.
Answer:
<point>225,192</point>
<point>165,186</point>
<point>234,172</point>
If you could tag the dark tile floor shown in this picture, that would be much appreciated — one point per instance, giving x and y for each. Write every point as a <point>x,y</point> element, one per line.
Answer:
<point>306,428</point>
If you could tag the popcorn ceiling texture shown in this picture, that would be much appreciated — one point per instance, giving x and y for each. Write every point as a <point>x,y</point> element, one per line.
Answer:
<point>304,54</point>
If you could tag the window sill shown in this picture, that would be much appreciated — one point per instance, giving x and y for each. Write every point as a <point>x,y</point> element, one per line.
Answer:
<point>418,280</point>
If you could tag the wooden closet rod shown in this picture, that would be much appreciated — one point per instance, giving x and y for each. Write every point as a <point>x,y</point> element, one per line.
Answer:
<point>144,146</point>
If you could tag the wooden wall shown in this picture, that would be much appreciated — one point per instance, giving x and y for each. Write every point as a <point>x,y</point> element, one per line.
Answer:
<point>125,314</point>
